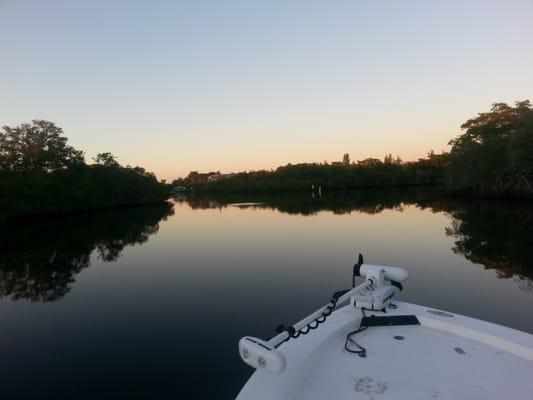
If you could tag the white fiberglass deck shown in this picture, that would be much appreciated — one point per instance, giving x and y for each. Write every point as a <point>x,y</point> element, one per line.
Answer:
<point>448,356</point>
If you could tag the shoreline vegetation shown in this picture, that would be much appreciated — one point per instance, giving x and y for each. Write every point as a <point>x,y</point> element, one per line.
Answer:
<point>492,158</point>
<point>42,176</point>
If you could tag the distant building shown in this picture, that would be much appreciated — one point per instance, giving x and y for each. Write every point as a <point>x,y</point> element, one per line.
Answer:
<point>214,177</point>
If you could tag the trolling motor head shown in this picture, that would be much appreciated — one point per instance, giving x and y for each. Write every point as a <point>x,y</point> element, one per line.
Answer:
<point>260,354</point>
<point>385,284</point>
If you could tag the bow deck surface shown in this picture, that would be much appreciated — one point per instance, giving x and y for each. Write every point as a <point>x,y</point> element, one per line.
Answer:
<point>447,356</point>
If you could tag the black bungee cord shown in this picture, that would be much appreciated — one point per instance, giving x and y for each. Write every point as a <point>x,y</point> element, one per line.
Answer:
<point>293,333</point>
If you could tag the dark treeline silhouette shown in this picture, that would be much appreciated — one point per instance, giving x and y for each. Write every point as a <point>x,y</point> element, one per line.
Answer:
<point>41,174</point>
<point>39,261</point>
<point>495,154</point>
<point>369,173</point>
<point>493,157</point>
<point>495,234</point>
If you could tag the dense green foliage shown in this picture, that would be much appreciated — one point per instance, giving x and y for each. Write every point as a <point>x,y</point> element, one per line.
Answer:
<point>40,173</point>
<point>495,154</point>
<point>36,146</point>
<point>77,188</point>
<point>303,177</point>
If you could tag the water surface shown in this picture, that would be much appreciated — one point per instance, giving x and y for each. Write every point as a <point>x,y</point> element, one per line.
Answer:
<point>151,302</point>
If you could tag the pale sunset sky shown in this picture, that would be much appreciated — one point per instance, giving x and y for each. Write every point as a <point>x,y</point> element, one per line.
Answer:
<point>176,86</point>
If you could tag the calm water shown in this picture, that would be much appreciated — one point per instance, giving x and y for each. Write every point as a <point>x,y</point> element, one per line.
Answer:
<point>151,302</point>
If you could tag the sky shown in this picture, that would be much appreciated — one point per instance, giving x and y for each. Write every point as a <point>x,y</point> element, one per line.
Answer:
<point>179,86</point>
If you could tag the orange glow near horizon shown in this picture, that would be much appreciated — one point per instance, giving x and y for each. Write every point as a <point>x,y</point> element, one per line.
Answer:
<point>185,86</point>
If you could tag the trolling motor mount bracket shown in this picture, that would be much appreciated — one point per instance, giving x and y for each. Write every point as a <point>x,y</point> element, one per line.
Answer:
<point>384,286</point>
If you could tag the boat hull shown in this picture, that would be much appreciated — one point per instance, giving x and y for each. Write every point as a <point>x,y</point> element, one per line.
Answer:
<point>447,356</point>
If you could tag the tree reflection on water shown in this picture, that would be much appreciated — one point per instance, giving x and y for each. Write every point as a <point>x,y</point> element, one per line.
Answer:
<point>497,234</point>
<point>39,261</point>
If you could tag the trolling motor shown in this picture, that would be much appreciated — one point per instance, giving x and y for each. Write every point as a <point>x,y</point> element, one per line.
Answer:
<point>381,284</point>
<point>385,284</point>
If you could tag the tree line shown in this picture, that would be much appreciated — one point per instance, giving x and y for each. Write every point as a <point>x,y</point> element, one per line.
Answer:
<point>492,157</point>
<point>41,174</point>
<point>303,177</point>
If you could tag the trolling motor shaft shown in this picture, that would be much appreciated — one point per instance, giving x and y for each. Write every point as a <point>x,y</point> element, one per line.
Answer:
<point>380,286</point>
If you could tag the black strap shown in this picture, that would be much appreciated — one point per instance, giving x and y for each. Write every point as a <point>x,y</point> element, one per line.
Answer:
<point>357,268</point>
